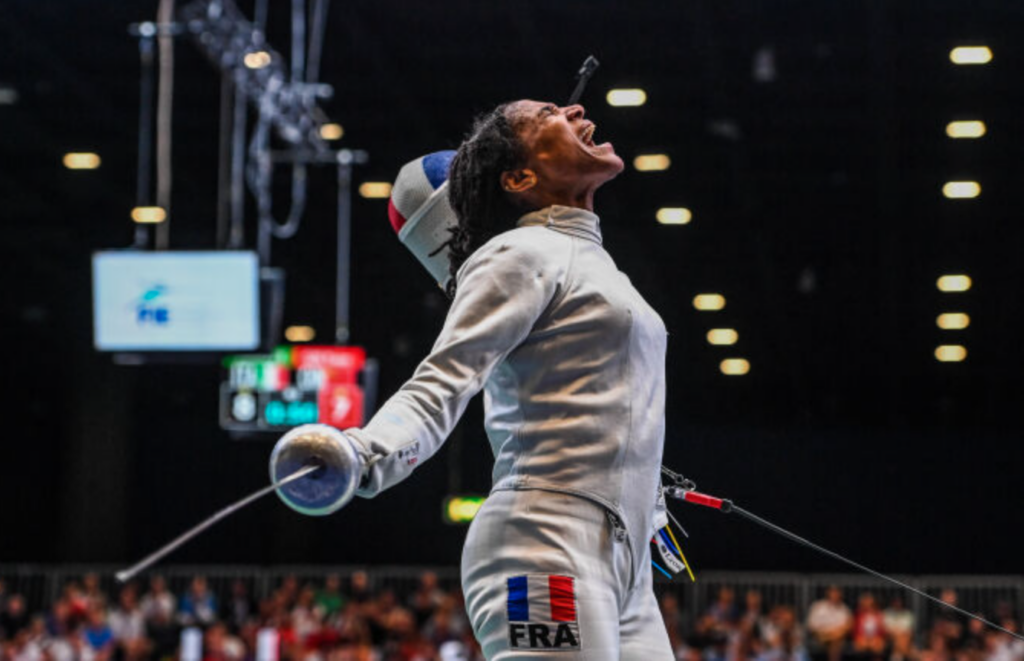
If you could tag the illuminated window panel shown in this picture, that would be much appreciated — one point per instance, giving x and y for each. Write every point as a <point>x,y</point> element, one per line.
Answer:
<point>734,366</point>
<point>674,216</point>
<point>652,162</point>
<point>953,321</point>
<point>723,336</point>
<point>709,302</point>
<point>375,189</point>
<point>149,214</point>
<point>970,55</point>
<point>81,161</point>
<point>951,353</point>
<point>954,283</point>
<point>966,129</point>
<point>626,97</point>
<point>961,190</point>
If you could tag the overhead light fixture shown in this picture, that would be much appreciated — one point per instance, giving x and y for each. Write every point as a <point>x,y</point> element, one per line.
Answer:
<point>652,162</point>
<point>299,334</point>
<point>331,131</point>
<point>257,59</point>
<point>970,55</point>
<point>8,95</point>
<point>631,97</point>
<point>734,366</point>
<point>709,302</point>
<point>960,190</point>
<point>375,189</point>
<point>965,129</point>
<point>674,216</point>
<point>149,214</point>
<point>723,336</point>
<point>81,161</point>
<point>951,353</point>
<point>953,321</point>
<point>954,283</point>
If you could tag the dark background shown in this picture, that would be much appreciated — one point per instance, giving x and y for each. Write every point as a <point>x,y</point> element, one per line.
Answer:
<point>817,213</point>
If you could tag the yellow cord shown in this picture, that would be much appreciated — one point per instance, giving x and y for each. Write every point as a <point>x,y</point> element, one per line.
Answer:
<point>679,548</point>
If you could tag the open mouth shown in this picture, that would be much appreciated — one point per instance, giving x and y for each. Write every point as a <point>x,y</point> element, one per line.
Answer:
<point>587,134</point>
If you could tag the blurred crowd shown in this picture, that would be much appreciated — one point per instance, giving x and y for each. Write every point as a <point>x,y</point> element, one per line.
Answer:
<point>832,631</point>
<point>336,620</point>
<point>300,621</point>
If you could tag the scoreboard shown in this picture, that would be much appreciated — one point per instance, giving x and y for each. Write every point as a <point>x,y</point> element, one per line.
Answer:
<point>296,385</point>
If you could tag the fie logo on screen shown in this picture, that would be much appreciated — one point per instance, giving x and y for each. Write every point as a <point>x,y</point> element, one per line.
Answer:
<point>151,308</point>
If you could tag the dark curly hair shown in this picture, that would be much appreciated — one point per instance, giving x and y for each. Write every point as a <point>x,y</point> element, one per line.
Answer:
<point>482,206</point>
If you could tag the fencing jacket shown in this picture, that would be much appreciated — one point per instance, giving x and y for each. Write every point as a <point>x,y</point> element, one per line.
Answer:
<point>572,363</point>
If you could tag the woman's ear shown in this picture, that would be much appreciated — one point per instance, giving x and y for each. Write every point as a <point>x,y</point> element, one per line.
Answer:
<point>518,181</point>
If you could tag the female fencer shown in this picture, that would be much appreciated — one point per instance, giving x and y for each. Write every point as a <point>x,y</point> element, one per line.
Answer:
<point>571,360</point>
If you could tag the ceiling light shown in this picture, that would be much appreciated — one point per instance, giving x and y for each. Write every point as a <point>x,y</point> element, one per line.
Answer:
<point>81,161</point>
<point>953,321</point>
<point>331,131</point>
<point>299,333</point>
<point>950,353</point>
<point>970,55</point>
<point>722,336</point>
<point>149,214</point>
<point>375,189</point>
<point>734,366</point>
<point>626,97</point>
<point>652,162</point>
<point>965,129</point>
<point>674,216</point>
<point>709,302</point>
<point>961,189</point>
<point>954,283</point>
<point>257,59</point>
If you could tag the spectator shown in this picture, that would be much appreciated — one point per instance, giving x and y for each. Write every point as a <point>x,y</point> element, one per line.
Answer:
<point>783,639</point>
<point>427,597</point>
<point>829,622</point>
<point>92,592</point>
<point>241,607</point>
<point>198,605</point>
<point>1002,647</point>
<point>869,627</point>
<point>329,600</point>
<point>305,617</point>
<point>948,623</point>
<point>219,645</point>
<point>97,634</point>
<point>972,647</point>
<point>724,613</point>
<point>359,589</point>
<point>14,617</point>
<point>899,621</point>
<point>158,601</point>
<point>128,624</point>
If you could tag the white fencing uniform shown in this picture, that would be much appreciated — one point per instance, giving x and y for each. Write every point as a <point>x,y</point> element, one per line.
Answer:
<point>572,362</point>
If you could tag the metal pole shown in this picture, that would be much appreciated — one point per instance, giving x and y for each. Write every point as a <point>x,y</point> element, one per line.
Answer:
<point>236,237</point>
<point>145,152</point>
<point>224,152</point>
<point>342,282</point>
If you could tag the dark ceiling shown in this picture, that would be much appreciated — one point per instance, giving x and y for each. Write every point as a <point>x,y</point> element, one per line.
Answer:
<point>818,213</point>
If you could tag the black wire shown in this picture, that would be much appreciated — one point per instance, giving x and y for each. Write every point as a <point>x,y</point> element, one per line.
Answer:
<point>832,554</point>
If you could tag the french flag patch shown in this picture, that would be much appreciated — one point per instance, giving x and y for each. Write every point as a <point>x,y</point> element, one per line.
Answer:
<point>542,612</point>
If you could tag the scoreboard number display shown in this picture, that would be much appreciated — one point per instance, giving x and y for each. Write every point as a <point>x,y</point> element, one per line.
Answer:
<point>296,385</point>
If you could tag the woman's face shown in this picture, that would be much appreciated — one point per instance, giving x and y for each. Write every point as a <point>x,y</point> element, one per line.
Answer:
<point>561,151</point>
